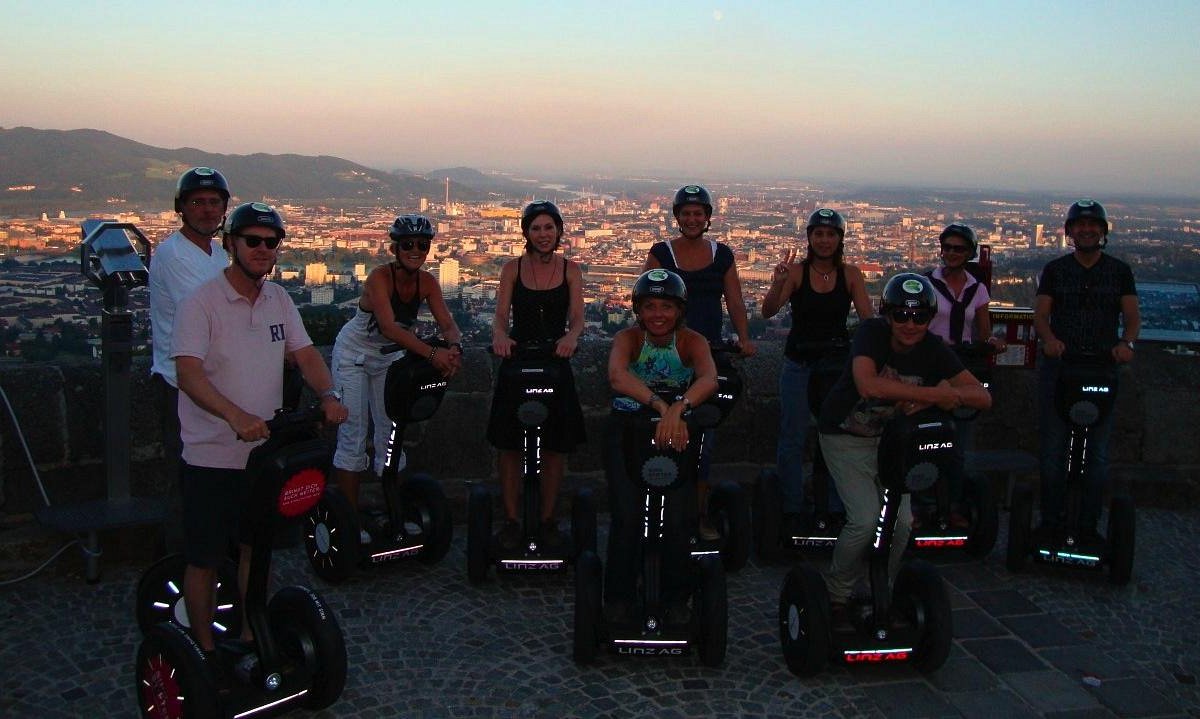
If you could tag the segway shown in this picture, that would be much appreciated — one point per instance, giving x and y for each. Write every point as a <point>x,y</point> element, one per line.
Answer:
<point>298,651</point>
<point>910,622</point>
<point>1084,396</point>
<point>534,382</point>
<point>819,528</point>
<point>416,521</point>
<point>660,473</point>
<point>932,529</point>
<point>727,510</point>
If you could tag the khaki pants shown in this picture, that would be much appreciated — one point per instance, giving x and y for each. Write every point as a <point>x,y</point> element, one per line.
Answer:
<point>853,462</point>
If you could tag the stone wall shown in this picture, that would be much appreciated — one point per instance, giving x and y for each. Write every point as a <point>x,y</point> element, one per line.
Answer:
<point>60,409</point>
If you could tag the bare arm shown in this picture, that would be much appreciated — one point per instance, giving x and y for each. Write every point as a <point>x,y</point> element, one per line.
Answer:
<point>871,386</point>
<point>316,375</point>
<point>1132,319</point>
<point>502,345</point>
<point>621,380</point>
<point>651,262</point>
<point>1051,345</point>
<point>782,285</point>
<point>196,385</point>
<point>858,293</point>
<point>567,343</point>
<point>736,305</point>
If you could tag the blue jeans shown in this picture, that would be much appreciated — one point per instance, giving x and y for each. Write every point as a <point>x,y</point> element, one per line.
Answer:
<point>1055,434</point>
<point>794,420</point>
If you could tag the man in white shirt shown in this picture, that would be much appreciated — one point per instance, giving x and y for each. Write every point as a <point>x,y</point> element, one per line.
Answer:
<point>186,259</point>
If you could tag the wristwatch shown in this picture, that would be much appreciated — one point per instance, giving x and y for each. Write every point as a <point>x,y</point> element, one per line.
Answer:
<point>1128,343</point>
<point>337,396</point>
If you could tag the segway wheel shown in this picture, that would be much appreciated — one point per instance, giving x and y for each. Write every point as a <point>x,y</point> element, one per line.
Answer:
<point>586,639</point>
<point>425,504</point>
<point>714,612</point>
<point>1121,523</point>
<point>308,634</point>
<point>172,677</point>
<point>1020,528</point>
<point>767,515</point>
<point>804,621</point>
<point>479,533</point>
<point>985,519</point>
<point>160,597</point>
<point>583,522</point>
<point>921,594</point>
<point>331,537</point>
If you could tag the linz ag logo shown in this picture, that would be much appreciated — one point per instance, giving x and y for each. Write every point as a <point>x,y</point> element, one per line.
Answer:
<point>939,542</point>
<point>539,390</point>
<point>651,651</point>
<point>812,542</point>
<point>1075,561</point>
<point>536,566</point>
<point>876,658</point>
<point>1094,388</point>
<point>935,445</point>
<point>433,385</point>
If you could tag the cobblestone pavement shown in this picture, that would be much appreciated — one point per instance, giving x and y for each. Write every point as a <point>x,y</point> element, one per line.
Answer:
<point>422,641</point>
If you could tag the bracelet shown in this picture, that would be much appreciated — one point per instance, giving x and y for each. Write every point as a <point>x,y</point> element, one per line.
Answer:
<point>687,403</point>
<point>653,398</point>
<point>456,346</point>
<point>432,353</point>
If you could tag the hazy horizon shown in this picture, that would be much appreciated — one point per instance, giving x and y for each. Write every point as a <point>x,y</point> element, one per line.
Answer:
<point>1071,97</point>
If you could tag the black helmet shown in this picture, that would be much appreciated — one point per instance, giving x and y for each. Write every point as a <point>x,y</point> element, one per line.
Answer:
<point>828,218</point>
<point>254,214</point>
<point>199,178</point>
<point>910,291</point>
<point>540,207</point>
<point>1086,208</point>
<point>659,283</point>
<point>958,229</point>
<point>411,226</point>
<point>692,195</point>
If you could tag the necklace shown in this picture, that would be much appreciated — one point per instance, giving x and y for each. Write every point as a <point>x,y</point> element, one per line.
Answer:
<point>824,275</point>
<point>539,285</point>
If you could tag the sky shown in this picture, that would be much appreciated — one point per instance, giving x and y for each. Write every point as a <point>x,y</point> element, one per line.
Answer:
<point>1085,97</point>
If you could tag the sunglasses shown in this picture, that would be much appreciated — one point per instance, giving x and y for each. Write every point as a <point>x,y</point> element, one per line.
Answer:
<point>956,248</point>
<point>407,245</point>
<point>207,202</point>
<point>920,317</point>
<point>253,241</point>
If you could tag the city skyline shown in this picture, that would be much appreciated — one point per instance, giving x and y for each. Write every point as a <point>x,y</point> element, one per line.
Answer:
<point>1072,97</point>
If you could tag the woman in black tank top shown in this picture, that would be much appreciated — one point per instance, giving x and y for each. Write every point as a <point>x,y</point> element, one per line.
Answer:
<point>821,290</point>
<point>544,293</point>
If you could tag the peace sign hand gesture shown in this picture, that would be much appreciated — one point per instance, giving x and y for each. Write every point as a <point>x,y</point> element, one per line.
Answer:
<point>781,270</point>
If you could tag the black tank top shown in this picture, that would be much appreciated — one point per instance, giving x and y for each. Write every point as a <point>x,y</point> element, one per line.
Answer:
<point>817,316</point>
<point>540,315</point>
<point>405,313</point>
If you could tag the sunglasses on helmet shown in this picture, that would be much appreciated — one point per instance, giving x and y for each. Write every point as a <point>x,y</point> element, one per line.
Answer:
<point>920,317</point>
<point>408,243</point>
<point>253,241</point>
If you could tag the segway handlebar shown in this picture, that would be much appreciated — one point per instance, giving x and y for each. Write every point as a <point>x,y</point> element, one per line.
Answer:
<point>286,419</point>
<point>432,341</point>
<point>975,350</point>
<point>535,349</point>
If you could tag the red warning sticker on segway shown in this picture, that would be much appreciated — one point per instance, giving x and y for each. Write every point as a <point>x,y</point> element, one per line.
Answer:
<point>301,492</point>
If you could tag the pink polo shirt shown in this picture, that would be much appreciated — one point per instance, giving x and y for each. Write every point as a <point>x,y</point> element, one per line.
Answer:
<point>940,324</point>
<point>242,349</point>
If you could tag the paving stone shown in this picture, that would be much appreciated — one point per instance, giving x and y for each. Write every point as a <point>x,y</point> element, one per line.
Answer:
<point>1003,602</point>
<point>1041,630</point>
<point>1003,655</point>
<point>1049,690</point>
<point>991,705</point>
<point>1085,660</point>
<point>1132,698</point>
<point>909,699</point>
<point>975,623</point>
<point>963,675</point>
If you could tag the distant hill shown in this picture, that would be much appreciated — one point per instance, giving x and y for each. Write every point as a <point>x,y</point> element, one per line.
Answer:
<point>47,169</point>
<point>495,183</point>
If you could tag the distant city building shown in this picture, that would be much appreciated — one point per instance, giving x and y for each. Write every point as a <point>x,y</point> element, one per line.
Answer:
<point>322,295</point>
<point>423,205</point>
<point>1037,235</point>
<point>360,272</point>
<point>448,274</point>
<point>316,273</point>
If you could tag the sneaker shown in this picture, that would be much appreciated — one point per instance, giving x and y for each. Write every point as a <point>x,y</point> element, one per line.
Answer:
<point>550,537</point>
<point>510,534</point>
<point>216,668</point>
<point>246,668</point>
<point>708,532</point>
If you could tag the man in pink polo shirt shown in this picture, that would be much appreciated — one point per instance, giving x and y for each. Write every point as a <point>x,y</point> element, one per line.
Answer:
<point>230,339</point>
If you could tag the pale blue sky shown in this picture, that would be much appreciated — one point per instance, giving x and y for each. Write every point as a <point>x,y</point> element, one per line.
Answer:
<point>1087,97</point>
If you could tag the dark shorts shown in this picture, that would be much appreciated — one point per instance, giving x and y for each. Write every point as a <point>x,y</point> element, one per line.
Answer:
<point>214,501</point>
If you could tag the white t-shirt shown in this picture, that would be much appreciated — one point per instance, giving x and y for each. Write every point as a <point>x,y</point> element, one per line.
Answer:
<point>242,349</point>
<point>177,268</point>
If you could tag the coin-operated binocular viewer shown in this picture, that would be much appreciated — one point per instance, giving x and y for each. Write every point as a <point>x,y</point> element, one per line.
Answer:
<point>114,256</point>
